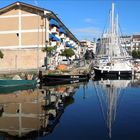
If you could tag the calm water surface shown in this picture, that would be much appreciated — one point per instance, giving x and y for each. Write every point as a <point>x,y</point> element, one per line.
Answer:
<point>94,110</point>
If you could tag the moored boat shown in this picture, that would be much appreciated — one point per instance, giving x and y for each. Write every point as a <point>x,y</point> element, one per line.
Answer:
<point>119,68</point>
<point>64,79</point>
<point>7,86</point>
<point>112,58</point>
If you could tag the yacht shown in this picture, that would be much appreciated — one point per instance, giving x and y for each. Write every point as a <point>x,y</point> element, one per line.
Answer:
<point>112,59</point>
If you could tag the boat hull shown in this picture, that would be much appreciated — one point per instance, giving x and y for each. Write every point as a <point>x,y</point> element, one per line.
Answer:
<point>8,83</point>
<point>99,72</point>
<point>8,86</point>
<point>63,79</point>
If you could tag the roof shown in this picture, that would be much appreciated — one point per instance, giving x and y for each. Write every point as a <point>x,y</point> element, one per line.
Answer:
<point>22,4</point>
<point>49,14</point>
<point>136,36</point>
<point>125,36</point>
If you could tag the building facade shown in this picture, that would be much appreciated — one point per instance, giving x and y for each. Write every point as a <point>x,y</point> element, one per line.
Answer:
<point>135,42</point>
<point>87,45</point>
<point>26,29</point>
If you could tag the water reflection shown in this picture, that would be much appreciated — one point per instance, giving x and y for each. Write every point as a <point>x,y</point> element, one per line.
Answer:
<point>34,112</point>
<point>109,93</point>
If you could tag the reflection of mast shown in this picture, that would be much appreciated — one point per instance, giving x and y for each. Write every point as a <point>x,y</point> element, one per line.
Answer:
<point>108,95</point>
<point>84,89</point>
<point>112,105</point>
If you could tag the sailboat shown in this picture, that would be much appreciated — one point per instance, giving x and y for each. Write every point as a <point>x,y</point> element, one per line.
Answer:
<point>112,59</point>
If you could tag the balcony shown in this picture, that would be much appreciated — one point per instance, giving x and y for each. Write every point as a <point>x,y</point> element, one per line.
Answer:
<point>54,37</point>
<point>62,36</point>
<point>67,39</point>
<point>54,30</point>
<point>53,43</point>
<point>54,23</point>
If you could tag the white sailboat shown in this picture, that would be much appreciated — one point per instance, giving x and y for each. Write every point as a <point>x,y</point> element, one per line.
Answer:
<point>112,59</point>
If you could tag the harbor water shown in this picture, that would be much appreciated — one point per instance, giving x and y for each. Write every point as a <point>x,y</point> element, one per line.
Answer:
<point>100,109</point>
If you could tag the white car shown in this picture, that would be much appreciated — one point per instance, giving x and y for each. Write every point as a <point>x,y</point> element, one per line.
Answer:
<point>65,61</point>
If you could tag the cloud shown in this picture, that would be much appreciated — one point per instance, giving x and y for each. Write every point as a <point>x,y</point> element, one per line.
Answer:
<point>89,20</point>
<point>36,2</point>
<point>87,33</point>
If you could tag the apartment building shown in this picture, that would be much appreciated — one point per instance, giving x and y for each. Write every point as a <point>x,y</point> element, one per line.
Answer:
<point>26,29</point>
<point>87,45</point>
<point>135,42</point>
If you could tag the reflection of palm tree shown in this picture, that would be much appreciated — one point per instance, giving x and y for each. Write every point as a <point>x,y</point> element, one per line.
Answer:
<point>108,93</point>
<point>1,111</point>
<point>85,86</point>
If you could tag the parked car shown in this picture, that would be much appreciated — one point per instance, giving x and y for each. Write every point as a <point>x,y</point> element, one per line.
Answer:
<point>65,61</point>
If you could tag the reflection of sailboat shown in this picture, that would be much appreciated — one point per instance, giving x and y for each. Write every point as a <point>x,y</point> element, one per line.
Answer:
<point>33,113</point>
<point>109,93</point>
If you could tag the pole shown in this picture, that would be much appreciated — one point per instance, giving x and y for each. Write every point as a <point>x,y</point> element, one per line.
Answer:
<point>38,42</point>
<point>46,58</point>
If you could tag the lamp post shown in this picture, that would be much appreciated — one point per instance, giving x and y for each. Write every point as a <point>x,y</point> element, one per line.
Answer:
<point>46,58</point>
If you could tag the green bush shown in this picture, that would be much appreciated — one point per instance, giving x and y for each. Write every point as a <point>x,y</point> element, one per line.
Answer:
<point>136,54</point>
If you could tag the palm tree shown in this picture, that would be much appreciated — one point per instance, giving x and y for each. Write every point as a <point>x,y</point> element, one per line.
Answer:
<point>67,53</point>
<point>49,53</point>
<point>49,50</point>
<point>1,54</point>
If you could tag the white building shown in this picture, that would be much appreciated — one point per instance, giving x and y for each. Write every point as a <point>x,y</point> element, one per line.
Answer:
<point>135,42</point>
<point>88,45</point>
<point>126,43</point>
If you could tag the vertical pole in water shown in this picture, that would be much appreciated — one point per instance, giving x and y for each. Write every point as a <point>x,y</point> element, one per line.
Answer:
<point>20,119</point>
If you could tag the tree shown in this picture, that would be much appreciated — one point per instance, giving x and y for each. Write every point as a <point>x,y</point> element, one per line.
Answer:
<point>136,54</point>
<point>67,53</point>
<point>49,50</point>
<point>89,55</point>
<point>1,54</point>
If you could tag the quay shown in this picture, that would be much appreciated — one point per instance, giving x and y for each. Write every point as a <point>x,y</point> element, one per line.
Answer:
<point>72,75</point>
<point>33,73</point>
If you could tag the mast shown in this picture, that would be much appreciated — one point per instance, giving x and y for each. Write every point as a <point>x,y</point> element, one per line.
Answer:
<point>112,20</point>
<point>112,30</point>
<point>117,27</point>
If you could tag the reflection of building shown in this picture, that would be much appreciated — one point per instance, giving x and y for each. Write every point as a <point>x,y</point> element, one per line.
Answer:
<point>108,92</point>
<point>31,113</point>
<point>21,112</point>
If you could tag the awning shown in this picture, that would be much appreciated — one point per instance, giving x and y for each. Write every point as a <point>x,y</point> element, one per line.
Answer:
<point>53,37</point>
<point>54,23</point>
<point>69,46</point>
<point>61,30</point>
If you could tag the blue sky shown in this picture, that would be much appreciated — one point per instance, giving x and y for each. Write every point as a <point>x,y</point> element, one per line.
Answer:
<point>86,19</point>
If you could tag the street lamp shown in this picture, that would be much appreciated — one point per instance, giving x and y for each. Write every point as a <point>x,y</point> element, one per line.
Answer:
<point>46,58</point>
